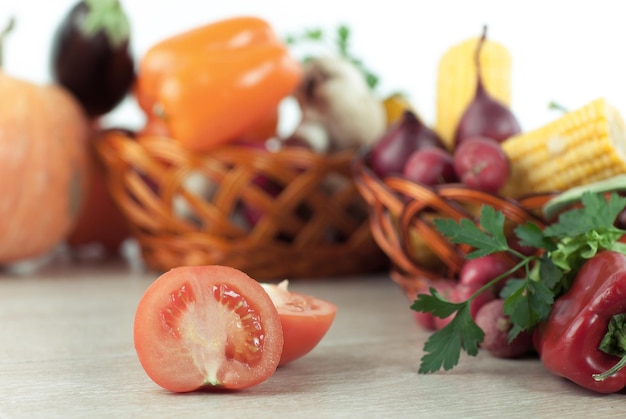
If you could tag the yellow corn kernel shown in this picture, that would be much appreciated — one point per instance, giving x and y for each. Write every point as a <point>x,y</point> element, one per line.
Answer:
<point>582,146</point>
<point>456,81</point>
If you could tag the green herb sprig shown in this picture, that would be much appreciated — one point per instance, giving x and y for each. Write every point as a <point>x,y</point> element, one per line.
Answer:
<point>341,42</point>
<point>577,236</point>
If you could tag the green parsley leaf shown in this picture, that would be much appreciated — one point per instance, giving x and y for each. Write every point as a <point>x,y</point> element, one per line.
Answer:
<point>314,34</point>
<point>618,247</point>
<point>434,303</point>
<point>572,252</point>
<point>526,303</point>
<point>597,212</point>
<point>549,274</point>
<point>565,245</point>
<point>493,223</point>
<point>613,341</point>
<point>530,234</point>
<point>343,35</point>
<point>341,42</point>
<point>444,346</point>
<point>490,239</point>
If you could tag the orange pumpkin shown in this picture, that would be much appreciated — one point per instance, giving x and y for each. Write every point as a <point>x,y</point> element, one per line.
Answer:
<point>43,162</point>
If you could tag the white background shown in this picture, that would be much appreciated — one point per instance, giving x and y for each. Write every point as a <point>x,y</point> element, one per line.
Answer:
<point>567,51</point>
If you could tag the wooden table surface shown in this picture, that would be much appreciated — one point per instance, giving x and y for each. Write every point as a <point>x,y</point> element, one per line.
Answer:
<point>66,350</point>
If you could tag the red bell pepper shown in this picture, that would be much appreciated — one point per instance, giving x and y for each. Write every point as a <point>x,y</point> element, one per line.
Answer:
<point>584,338</point>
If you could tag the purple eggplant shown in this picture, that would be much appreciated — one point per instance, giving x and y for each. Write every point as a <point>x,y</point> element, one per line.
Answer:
<point>91,55</point>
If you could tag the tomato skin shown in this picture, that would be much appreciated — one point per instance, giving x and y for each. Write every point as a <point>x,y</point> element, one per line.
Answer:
<point>207,328</point>
<point>305,320</point>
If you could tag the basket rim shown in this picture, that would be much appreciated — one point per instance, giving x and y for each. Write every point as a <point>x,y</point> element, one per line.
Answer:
<point>396,196</point>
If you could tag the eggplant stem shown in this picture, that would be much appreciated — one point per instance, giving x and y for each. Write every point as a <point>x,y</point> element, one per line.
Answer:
<point>7,29</point>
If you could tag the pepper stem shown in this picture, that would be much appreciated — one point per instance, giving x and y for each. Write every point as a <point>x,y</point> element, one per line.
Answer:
<point>615,368</point>
<point>614,343</point>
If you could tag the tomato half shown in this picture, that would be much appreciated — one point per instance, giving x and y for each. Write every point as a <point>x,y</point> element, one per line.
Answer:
<point>207,327</point>
<point>305,320</point>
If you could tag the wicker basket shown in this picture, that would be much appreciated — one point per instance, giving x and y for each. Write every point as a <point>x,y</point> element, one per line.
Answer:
<point>401,215</point>
<point>312,223</point>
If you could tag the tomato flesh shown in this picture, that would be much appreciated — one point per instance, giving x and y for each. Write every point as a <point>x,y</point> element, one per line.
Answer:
<point>305,320</point>
<point>207,327</point>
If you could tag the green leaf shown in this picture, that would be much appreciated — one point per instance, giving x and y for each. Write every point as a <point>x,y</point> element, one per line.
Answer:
<point>550,274</point>
<point>571,252</point>
<point>372,80</point>
<point>526,303</point>
<point>435,304</point>
<point>530,234</point>
<point>314,34</point>
<point>568,250</point>
<point>577,236</point>
<point>492,222</point>
<point>491,240</point>
<point>444,346</point>
<point>614,341</point>
<point>597,212</point>
<point>618,247</point>
<point>341,43</point>
<point>605,215</point>
<point>343,34</point>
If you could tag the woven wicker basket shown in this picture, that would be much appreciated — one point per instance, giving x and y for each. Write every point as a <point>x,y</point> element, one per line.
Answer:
<point>315,225</point>
<point>401,215</point>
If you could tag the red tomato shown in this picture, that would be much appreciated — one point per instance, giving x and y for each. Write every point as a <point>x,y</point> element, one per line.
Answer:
<point>305,320</point>
<point>207,327</point>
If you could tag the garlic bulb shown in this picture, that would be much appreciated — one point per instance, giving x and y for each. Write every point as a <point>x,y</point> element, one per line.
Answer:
<point>335,95</point>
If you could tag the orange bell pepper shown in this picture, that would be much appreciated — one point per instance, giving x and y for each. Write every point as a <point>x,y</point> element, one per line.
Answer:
<point>215,83</point>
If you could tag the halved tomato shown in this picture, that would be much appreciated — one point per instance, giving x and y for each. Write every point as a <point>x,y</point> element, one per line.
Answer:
<point>207,327</point>
<point>305,320</point>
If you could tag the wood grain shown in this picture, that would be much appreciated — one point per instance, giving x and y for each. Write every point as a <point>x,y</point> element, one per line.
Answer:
<point>66,351</point>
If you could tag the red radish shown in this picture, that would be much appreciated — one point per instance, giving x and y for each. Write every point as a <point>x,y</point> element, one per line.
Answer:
<point>462,292</point>
<point>430,166</point>
<point>496,325</point>
<point>481,163</point>
<point>390,153</point>
<point>480,271</point>
<point>444,287</point>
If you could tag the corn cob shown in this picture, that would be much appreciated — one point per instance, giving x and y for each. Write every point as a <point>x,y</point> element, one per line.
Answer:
<point>395,105</point>
<point>456,81</point>
<point>582,146</point>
